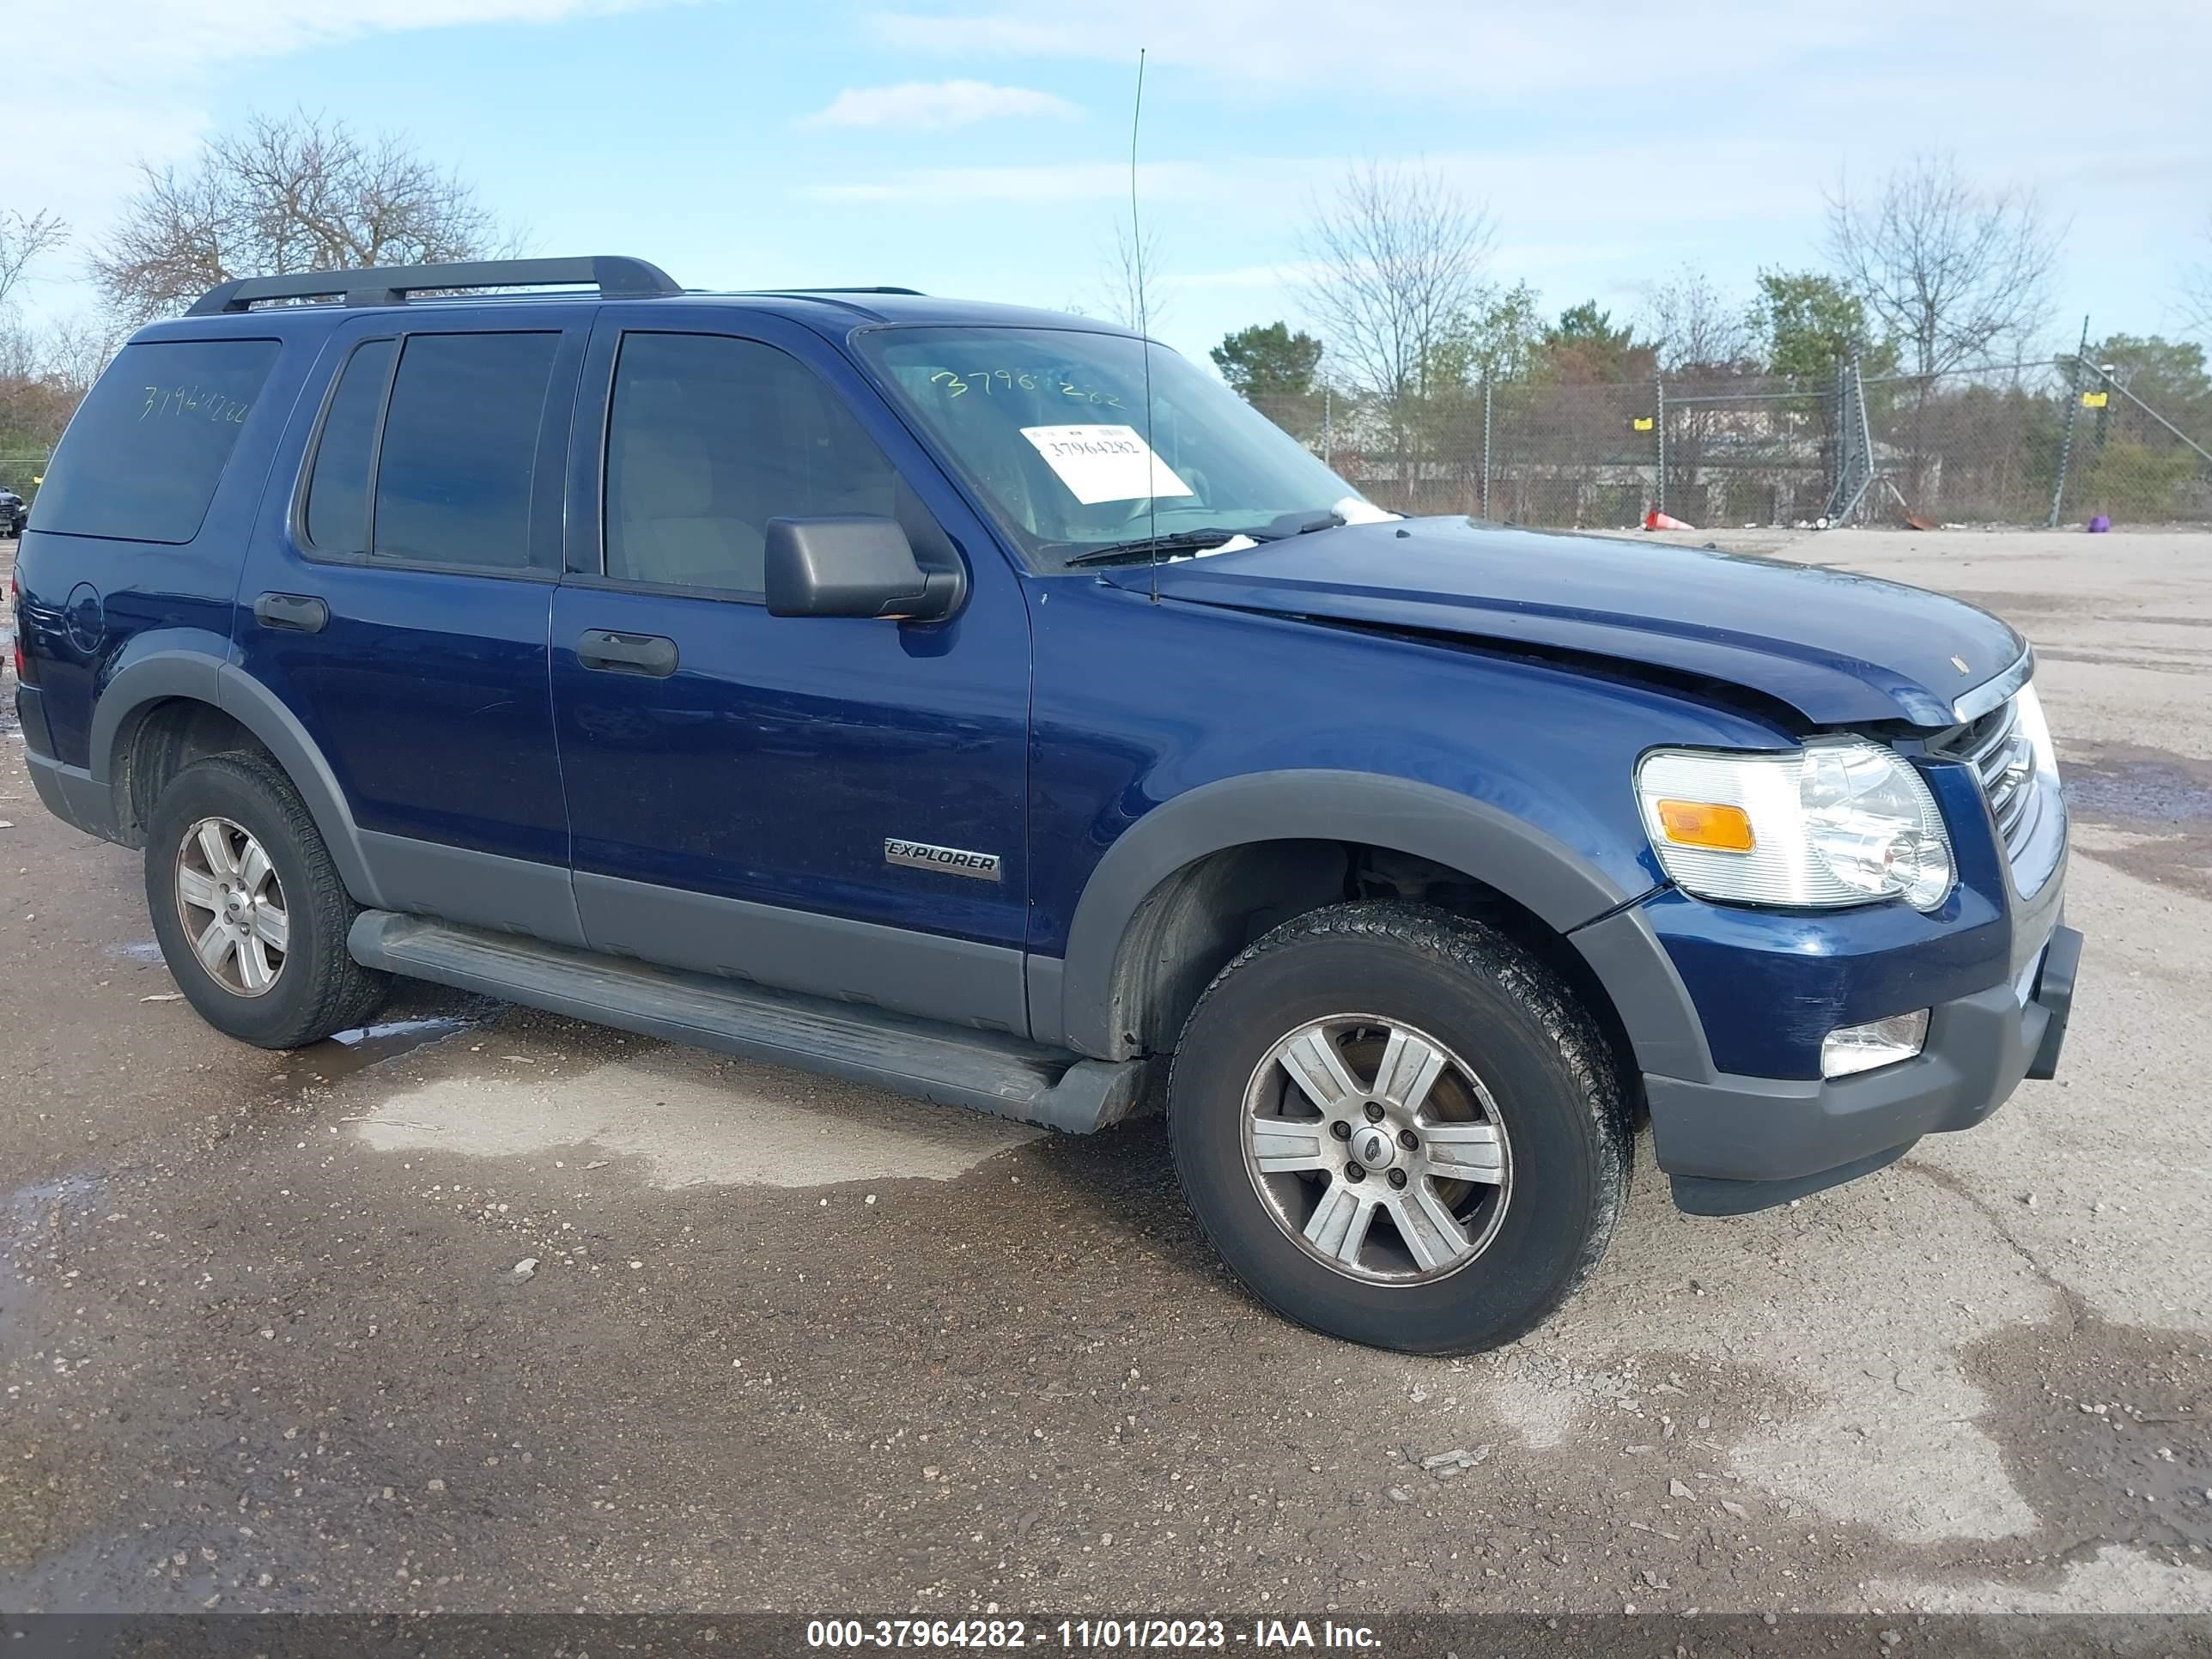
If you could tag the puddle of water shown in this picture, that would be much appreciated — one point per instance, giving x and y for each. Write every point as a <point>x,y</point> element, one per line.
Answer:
<point>109,1575</point>
<point>2094,1596</point>
<point>2137,792</point>
<point>27,1215</point>
<point>2105,1427</point>
<point>696,1122</point>
<point>2155,794</point>
<point>141,950</point>
<point>30,1206</point>
<point>346,1052</point>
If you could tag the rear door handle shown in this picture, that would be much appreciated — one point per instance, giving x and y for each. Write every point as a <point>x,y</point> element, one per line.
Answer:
<point>300,613</point>
<point>626,653</point>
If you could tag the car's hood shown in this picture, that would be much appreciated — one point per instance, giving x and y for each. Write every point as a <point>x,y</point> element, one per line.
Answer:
<point>1840,649</point>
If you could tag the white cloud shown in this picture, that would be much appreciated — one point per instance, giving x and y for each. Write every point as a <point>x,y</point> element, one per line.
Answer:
<point>931,104</point>
<point>1421,45</point>
<point>1689,62</point>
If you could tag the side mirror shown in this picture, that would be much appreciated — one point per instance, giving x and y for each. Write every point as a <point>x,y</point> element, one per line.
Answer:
<point>853,566</point>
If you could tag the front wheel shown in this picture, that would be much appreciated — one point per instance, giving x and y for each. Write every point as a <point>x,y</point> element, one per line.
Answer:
<point>1400,1127</point>
<point>250,910</point>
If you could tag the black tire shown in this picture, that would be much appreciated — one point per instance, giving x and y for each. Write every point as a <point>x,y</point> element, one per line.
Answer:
<point>1513,1023</point>
<point>319,989</point>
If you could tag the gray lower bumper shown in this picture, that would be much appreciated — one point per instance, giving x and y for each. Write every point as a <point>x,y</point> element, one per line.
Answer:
<point>1738,1144</point>
<point>74,796</point>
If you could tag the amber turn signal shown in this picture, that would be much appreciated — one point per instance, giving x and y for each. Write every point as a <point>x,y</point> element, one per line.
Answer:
<point>1706,823</point>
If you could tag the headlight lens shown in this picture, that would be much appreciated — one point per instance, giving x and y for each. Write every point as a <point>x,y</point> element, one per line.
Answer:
<point>1832,823</point>
<point>2029,709</point>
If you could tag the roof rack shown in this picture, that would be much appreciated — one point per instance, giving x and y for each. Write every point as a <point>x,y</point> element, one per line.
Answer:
<point>615,275</point>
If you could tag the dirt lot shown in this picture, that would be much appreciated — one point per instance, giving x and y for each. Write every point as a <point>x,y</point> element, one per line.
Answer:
<point>262,1345</point>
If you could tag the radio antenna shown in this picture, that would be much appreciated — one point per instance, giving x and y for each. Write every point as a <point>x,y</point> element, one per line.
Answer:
<point>1144,332</point>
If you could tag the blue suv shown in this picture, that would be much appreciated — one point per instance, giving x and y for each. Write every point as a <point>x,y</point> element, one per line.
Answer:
<point>987,705</point>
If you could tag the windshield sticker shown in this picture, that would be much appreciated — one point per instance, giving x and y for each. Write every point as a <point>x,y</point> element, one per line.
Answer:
<point>1104,463</point>
<point>1357,509</point>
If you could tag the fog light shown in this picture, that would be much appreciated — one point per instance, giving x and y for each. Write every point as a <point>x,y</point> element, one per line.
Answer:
<point>1850,1048</point>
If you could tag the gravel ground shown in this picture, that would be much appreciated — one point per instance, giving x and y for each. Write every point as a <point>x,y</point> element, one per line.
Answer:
<point>264,1342</point>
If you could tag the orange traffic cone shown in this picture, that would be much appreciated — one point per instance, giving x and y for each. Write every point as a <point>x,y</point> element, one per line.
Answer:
<point>1655,519</point>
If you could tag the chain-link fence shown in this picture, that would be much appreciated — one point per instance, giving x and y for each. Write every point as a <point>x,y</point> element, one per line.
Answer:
<point>20,468</point>
<point>2007,444</point>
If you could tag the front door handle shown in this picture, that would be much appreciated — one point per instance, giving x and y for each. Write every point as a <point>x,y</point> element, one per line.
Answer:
<point>626,653</point>
<point>297,613</point>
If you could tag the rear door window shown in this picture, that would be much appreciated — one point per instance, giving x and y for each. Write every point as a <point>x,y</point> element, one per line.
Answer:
<point>337,490</point>
<point>461,445</point>
<point>147,447</point>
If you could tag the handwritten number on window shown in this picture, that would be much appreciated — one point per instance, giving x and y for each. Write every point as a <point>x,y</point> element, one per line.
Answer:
<point>181,400</point>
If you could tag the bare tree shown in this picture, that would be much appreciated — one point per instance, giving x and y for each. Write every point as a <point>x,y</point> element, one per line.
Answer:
<point>1956,271</point>
<point>1702,337</point>
<point>44,375</point>
<point>1135,295</point>
<point>290,194</point>
<point>2197,288</point>
<point>1398,258</point>
<point>1693,328</point>
<point>22,239</point>
<point>1397,287</point>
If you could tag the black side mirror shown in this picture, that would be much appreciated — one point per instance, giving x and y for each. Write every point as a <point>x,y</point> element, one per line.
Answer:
<point>853,566</point>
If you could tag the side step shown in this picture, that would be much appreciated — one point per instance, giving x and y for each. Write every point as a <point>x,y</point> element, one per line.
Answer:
<point>986,1072</point>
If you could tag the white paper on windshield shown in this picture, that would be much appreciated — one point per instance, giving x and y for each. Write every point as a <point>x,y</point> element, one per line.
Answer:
<point>1104,463</point>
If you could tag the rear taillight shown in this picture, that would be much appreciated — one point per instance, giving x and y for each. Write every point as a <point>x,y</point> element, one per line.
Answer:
<point>15,619</point>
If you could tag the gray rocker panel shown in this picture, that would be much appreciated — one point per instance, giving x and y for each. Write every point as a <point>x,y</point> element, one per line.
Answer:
<point>1007,1076</point>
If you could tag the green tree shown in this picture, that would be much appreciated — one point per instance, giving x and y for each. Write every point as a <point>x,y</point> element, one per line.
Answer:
<point>1503,340</point>
<point>1583,348</point>
<point>2167,375</point>
<point>1806,322</point>
<point>1268,360</point>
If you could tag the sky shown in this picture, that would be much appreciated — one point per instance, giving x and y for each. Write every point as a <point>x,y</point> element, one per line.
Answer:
<point>981,148</point>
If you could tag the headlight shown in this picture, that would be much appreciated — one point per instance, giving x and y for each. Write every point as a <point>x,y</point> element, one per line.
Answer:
<point>1832,823</point>
<point>2027,708</point>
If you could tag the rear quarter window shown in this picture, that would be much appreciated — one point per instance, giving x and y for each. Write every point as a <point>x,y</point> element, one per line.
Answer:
<point>142,458</point>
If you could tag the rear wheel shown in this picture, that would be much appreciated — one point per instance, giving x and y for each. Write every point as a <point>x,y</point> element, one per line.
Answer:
<point>1400,1127</point>
<point>250,910</point>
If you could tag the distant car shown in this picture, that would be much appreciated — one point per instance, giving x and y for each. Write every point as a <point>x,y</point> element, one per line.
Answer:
<point>834,679</point>
<point>13,512</point>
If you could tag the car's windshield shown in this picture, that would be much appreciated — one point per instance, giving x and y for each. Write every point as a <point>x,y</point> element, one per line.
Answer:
<point>1049,425</point>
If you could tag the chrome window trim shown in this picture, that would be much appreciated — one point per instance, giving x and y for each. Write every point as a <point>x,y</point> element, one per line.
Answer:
<point>1991,693</point>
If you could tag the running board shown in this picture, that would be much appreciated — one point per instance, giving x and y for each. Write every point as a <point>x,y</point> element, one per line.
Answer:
<point>986,1072</point>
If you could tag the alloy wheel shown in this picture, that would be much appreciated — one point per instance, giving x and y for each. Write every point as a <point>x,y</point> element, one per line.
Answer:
<point>232,906</point>
<point>1376,1149</point>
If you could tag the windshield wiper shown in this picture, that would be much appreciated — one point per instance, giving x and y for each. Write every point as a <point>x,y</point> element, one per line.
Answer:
<point>1147,547</point>
<point>1197,541</point>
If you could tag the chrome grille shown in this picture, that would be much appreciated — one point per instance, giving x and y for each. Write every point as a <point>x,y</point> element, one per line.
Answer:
<point>2004,759</point>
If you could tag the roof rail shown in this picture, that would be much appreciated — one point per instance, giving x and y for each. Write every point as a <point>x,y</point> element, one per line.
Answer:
<point>615,275</point>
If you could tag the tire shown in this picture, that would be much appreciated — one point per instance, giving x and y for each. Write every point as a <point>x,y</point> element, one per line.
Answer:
<point>311,986</point>
<point>1527,1103</point>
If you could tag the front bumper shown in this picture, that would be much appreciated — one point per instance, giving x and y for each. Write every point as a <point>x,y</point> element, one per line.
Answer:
<point>1733,1145</point>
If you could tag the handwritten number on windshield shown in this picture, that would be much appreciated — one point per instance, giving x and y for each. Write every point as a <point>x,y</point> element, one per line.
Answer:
<point>989,381</point>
